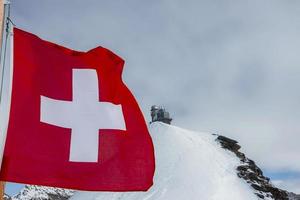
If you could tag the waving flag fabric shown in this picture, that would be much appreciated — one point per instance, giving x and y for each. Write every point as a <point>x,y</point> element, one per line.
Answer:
<point>73,123</point>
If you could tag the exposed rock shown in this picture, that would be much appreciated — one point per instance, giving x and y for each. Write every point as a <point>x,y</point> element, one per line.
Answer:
<point>253,175</point>
<point>32,192</point>
<point>293,196</point>
<point>6,197</point>
<point>228,143</point>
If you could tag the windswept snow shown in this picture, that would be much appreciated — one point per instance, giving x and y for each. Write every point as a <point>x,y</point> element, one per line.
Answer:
<point>189,166</point>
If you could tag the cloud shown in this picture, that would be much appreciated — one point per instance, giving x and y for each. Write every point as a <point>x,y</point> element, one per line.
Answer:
<point>221,66</point>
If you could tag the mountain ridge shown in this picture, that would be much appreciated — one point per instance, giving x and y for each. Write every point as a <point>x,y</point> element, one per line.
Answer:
<point>190,165</point>
<point>251,173</point>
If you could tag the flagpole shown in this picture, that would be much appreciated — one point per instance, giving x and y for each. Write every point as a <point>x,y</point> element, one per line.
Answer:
<point>5,12</point>
<point>2,184</point>
<point>4,23</point>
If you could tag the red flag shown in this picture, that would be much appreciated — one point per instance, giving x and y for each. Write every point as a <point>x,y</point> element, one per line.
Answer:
<point>73,123</point>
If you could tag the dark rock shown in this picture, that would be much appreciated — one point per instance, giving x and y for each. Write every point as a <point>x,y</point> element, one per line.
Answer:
<point>241,156</point>
<point>257,187</point>
<point>260,195</point>
<point>6,197</point>
<point>253,175</point>
<point>228,143</point>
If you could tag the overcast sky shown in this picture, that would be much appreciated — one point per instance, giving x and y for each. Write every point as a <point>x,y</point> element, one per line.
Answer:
<point>227,67</point>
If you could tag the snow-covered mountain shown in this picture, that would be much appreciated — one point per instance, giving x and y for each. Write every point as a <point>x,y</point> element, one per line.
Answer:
<point>293,196</point>
<point>195,166</point>
<point>189,166</point>
<point>32,192</point>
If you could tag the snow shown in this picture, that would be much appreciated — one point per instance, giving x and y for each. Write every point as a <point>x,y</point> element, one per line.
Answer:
<point>30,192</point>
<point>189,165</point>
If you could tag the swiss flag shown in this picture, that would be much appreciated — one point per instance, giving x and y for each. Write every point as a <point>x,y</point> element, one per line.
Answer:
<point>73,123</point>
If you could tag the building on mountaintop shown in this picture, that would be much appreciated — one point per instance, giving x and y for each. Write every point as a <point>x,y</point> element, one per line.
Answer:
<point>158,113</point>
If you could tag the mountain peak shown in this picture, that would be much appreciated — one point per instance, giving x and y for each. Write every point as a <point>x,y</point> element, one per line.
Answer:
<point>189,165</point>
<point>33,192</point>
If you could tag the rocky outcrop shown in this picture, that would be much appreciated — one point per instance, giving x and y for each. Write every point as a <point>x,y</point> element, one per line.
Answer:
<point>32,192</point>
<point>6,197</point>
<point>293,196</point>
<point>252,174</point>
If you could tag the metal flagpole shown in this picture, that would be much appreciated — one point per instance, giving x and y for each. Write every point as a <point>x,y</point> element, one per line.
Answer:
<point>4,23</point>
<point>5,34</point>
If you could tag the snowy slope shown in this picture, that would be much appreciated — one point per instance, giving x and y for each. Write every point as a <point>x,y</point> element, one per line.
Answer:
<point>189,166</point>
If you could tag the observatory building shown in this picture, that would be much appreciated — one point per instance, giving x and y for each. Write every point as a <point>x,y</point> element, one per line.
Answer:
<point>160,114</point>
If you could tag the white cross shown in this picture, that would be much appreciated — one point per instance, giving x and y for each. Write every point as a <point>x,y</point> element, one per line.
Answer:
<point>85,115</point>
